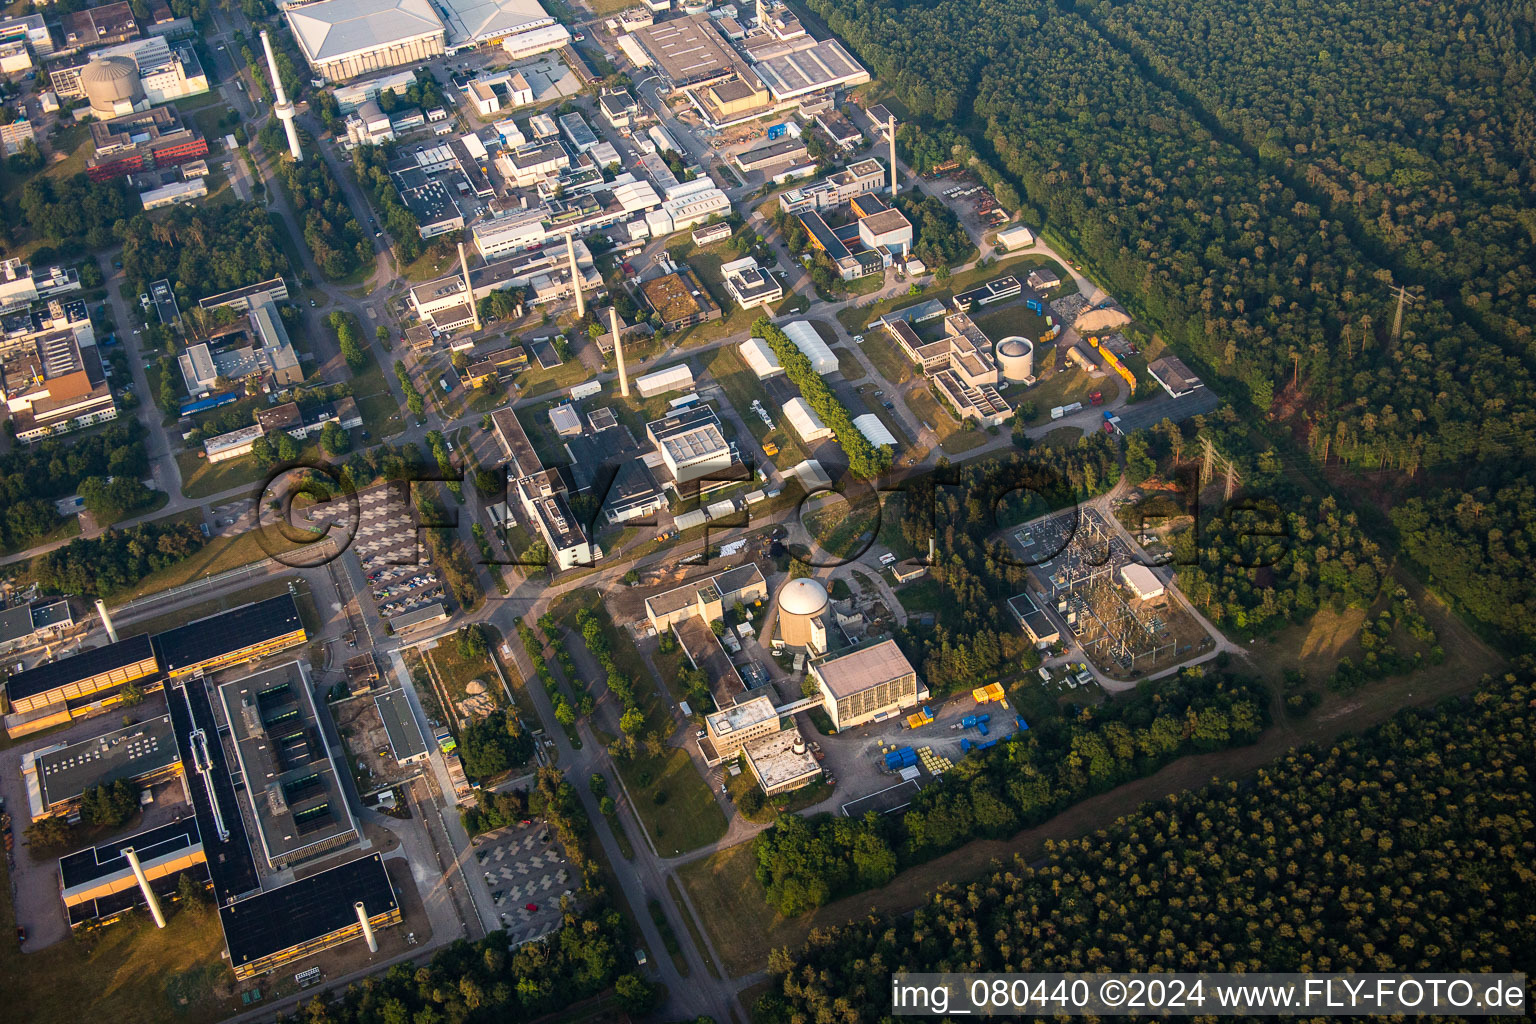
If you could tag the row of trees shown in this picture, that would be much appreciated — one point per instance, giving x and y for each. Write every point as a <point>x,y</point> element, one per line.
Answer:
<point>372,166</point>
<point>336,240</point>
<point>116,560</point>
<point>864,459</point>
<point>991,794</point>
<point>1377,854</point>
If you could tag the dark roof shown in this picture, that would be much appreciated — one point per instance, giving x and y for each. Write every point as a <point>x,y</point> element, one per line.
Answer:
<point>308,909</point>
<point>77,667</point>
<point>230,863</point>
<point>107,860</point>
<point>227,632</point>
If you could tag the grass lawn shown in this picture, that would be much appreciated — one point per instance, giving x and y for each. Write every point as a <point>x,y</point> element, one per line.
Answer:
<point>892,363</point>
<point>457,671</point>
<point>102,974</point>
<point>676,894</point>
<point>1063,387</point>
<point>673,802</point>
<point>922,595</point>
<point>842,528</point>
<point>219,555</point>
<point>1013,318</point>
<point>1063,437</point>
<point>954,437</point>
<point>741,387</point>
<point>201,478</point>
<point>626,657</point>
<point>848,365</point>
<point>375,402</point>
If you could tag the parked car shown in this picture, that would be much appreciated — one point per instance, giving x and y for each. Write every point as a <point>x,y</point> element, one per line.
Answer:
<point>531,907</point>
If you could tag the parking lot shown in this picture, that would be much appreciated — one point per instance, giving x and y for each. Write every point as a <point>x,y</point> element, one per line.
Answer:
<point>524,867</point>
<point>387,544</point>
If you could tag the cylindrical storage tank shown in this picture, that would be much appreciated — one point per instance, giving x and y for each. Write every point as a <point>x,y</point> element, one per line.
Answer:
<point>799,602</point>
<point>1016,357</point>
<point>112,85</point>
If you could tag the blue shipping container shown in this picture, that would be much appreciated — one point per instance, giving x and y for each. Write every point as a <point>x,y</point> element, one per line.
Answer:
<point>981,727</point>
<point>965,746</point>
<point>1023,725</point>
<point>968,721</point>
<point>211,402</point>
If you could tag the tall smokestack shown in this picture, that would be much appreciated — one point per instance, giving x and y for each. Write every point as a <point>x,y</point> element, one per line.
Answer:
<point>283,108</point>
<point>581,303</point>
<point>149,894</point>
<point>362,919</point>
<point>618,350</point>
<point>890,127</point>
<point>106,620</point>
<point>469,287</point>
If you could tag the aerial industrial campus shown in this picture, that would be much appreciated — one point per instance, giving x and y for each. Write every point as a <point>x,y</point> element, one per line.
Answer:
<point>591,510</point>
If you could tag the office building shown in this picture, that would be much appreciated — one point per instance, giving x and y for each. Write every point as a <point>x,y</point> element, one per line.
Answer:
<point>98,26</point>
<point>749,284</point>
<point>144,141</point>
<point>707,598</point>
<point>53,385</point>
<point>856,179</point>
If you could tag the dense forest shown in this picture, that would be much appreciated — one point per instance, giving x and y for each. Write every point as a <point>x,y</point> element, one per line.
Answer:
<point>202,250</point>
<point>992,794</point>
<point>116,560</point>
<point>336,240</point>
<point>1384,160</point>
<point>1380,853</point>
<point>32,476</point>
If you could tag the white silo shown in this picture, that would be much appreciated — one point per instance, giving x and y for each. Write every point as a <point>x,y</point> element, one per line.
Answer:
<point>801,603</point>
<point>1016,357</point>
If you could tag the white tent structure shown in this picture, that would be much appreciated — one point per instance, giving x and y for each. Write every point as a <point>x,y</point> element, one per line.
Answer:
<point>763,360</point>
<point>805,421</point>
<point>874,431</point>
<point>809,342</point>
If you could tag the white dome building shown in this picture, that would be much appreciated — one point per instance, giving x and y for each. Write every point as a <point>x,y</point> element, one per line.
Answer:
<point>802,605</point>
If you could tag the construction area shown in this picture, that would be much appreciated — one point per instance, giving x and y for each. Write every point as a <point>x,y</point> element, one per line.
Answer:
<point>1089,581</point>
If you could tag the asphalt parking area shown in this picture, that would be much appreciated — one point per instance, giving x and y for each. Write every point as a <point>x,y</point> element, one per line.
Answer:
<point>388,545</point>
<point>524,866</point>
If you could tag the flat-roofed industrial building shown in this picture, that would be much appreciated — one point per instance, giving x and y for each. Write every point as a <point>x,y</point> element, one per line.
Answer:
<point>707,598</point>
<point>289,772</point>
<point>53,693</point>
<point>230,638</point>
<point>58,777</point>
<point>867,684</point>
<point>281,925</point>
<point>97,884</point>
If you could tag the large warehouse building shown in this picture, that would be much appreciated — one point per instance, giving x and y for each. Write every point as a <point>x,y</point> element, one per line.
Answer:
<point>92,681</point>
<point>343,39</point>
<point>868,684</point>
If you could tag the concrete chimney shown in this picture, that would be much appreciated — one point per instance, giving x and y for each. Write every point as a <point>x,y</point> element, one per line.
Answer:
<point>283,108</point>
<point>106,620</point>
<point>362,919</point>
<point>890,127</point>
<point>469,287</point>
<point>149,894</point>
<point>581,302</point>
<point>618,350</point>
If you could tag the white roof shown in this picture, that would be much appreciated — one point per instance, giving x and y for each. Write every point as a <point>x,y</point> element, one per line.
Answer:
<point>803,597</point>
<point>1142,580</point>
<point>672,375</point>
<point>332,29</point>
<point>804,419</point>
<point>763,360</point>
<point>479,21</point>
<point>874,431</point>
<point>809,342</point>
